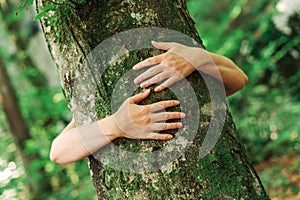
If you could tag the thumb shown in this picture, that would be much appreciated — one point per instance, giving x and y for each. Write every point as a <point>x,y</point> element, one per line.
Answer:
<point>163,45</point>
<point>139,97</point>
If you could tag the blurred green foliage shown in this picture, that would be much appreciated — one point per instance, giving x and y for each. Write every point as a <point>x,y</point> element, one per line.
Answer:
<point>45,112</point>
<point>266,112</point>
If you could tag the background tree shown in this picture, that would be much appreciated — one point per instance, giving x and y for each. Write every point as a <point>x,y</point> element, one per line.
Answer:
<point>18,126</point>
<point>73,29</point>
<point>32,112</point>
<point>261,37</point>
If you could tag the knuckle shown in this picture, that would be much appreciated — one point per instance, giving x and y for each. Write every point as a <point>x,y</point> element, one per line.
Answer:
<point>166,116</point>
<point>155,137</point>
<point>175,114</point>
<point>178,125</point>
<point>165,55</point>
<point>157,78</point>
<point>159,106</point>
<point>170,103</point>
<point>151,71</point>
<point>165,104</point>
<point>141,77</point>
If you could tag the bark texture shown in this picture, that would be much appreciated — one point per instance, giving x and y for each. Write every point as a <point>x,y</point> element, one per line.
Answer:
<point>225,173</point>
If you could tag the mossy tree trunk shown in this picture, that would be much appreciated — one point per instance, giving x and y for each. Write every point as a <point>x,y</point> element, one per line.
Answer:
<point>73,30</point>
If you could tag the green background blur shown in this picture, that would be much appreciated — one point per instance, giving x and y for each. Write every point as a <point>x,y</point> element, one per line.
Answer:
<point>262,37</point>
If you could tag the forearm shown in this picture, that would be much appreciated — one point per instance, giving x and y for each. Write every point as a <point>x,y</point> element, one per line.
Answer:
<point>225,70</point>
<point>184,60</point>
<point>233,77</point>
<point>74,144</point>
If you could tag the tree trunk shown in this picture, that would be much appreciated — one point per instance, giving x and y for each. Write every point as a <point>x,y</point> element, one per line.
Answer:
<point>21,39</point>
<point>20,134</point>
<point>15,120</point>
<point>72,30</point>
<point>17,125</point>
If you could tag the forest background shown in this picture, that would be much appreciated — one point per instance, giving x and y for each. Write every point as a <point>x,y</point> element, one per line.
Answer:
<point>261,36</point>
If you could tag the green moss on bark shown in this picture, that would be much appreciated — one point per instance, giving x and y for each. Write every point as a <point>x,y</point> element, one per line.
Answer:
<point>223,174</point>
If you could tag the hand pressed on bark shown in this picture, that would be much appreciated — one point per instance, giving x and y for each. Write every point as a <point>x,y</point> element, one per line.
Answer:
<point>130,121</point>
<point>141,122</point>
<point>180,61</point>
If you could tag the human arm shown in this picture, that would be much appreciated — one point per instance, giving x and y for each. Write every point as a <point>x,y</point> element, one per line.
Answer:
<point>184,60</point>
<point>130,121</point>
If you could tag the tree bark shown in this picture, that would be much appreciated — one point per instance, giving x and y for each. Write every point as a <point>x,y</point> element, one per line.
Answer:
<point>225,173</point>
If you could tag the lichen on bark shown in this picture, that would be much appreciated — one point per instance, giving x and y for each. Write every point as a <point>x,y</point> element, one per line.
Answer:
<point>225,173</point>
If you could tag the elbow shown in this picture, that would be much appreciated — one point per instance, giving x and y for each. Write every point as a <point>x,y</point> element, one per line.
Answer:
<point>240,84</point>
<point>241,79</point>
<point>54,157</point>
<point>244,80</point>
<point>56,154</point>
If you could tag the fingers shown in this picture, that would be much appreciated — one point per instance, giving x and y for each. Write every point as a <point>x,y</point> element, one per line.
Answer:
<point>166,84</point>
<point>155,79</point>
<point>163,104</point>
<point>162,127</point>
<point>164,116</point>
<point>139,97</point>
<point>157,136</point>
<point>156,59</point>
<point>163,45</point>
<point>147,74</point>
<point>166,126</point>
<point>148,62</point>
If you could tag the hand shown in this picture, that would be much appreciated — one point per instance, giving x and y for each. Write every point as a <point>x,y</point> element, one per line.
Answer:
<point>177,63</point>
<point>144,121</point>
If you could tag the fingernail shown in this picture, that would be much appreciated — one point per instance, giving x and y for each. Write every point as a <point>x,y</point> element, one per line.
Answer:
<point>134,67</point>
<point>169,137</point>
<point>182,115</point>
<point>179,125</point>
<point>177,102</point>
<point>142,85</point>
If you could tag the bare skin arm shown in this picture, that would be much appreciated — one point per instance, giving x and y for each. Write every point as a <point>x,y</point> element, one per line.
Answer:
<point>73,143</point>
<point>233,77</point>
<point>130,121</point>
<point>68,147</point>
<point>184,60</point>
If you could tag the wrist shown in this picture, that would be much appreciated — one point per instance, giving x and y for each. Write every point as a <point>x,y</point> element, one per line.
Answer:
<point>203,59</point>
<point>109,128</point>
